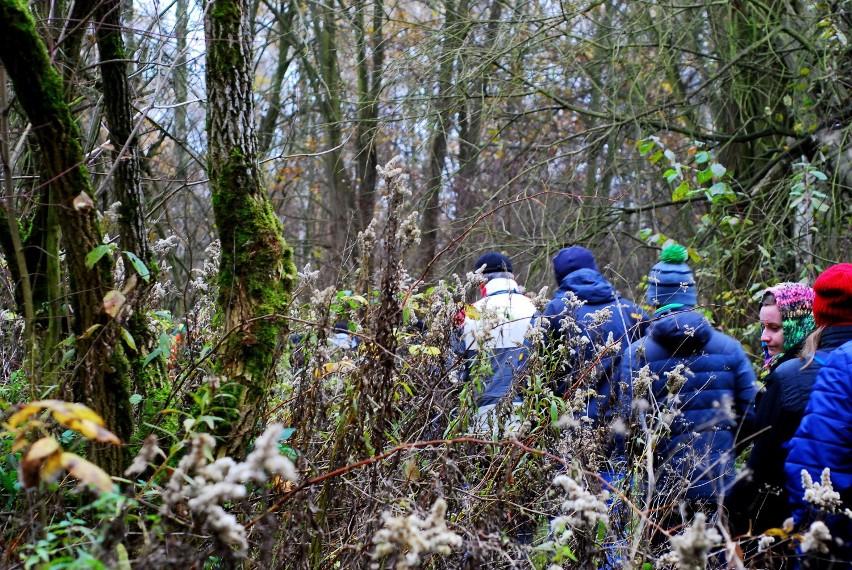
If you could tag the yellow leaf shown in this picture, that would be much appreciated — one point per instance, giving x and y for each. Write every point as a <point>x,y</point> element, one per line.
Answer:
<point>471,312</point>
<point>51,468</point>
<point>20,442</point>
<point>84,420</point>
<point>25,413</point>
<point>41,449</point>
<point>86,472</point>
<point>90,331</point>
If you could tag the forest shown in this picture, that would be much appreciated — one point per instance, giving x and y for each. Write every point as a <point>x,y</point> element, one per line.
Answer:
<point>239,240</point>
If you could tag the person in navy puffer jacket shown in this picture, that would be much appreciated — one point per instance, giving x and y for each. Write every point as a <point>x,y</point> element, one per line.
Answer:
<point>577,274</point>
<point>697,386</point>
<point>824,438</point>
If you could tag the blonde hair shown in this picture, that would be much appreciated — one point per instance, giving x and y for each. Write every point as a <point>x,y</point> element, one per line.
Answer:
<point>809,349</point>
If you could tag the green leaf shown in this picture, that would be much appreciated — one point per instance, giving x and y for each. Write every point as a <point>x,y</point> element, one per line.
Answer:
<point>96,254</point>
<point>67,357</point>
<point>90,331</point>
<point>128,339</point>
<point>554,413</point>
<point>151,356</point>
<point>702,156</point>
<point>165,344</point>
<point>819,175</point>
<point>139,266</point>
<point>704,175</point>
<point>719,189</point>
<point>135,399</point>
<point>645,146</point>
<point>67,342</point>
<point>655,158</point>
<point>670,175</point>
<point>681,192</point>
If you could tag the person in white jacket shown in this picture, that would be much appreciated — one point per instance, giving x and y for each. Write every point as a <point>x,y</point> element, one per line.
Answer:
<point>494,334</point>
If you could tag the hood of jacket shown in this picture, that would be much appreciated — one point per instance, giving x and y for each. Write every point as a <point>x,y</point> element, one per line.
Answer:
<point>588,285</point>
<point>684,332</point>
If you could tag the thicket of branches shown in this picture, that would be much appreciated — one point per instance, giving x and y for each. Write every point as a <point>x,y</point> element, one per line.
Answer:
<point>168,168</point>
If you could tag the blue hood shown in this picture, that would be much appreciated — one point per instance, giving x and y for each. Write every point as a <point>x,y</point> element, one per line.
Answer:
<point>684,332</point>
<point>588,285</point>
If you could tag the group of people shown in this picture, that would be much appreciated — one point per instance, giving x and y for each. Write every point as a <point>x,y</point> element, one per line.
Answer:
<point>670,372</point>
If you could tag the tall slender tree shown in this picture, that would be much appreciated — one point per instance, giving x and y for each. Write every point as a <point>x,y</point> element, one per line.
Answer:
<point>256,271</point>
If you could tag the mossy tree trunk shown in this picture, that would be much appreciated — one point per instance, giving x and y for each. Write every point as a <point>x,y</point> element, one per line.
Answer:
<point>256,270</point>
<point>100,372</point>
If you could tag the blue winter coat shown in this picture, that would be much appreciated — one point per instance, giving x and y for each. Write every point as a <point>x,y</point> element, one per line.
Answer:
<point>824,439</point>
<point>627,324</point>
<point>716,396</point>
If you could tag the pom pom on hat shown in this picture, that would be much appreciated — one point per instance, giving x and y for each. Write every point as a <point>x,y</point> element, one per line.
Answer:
<point>833,296</point>
<point>670,281</point>
<point>494,263</point>
<point>674,254</point>
<point>570,259</point>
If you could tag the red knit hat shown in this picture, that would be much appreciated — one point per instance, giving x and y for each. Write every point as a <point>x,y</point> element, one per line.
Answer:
<point>833,299</point>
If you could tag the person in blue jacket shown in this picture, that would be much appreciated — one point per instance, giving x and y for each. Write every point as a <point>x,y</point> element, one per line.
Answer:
<point>696,386</point>
<point>598,317</point>
<point>824,437</point>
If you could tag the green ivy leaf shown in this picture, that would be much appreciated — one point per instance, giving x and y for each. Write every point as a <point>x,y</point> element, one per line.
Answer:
<point>702,156</point>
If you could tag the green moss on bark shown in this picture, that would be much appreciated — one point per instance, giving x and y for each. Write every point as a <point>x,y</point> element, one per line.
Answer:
<point>256,270</point>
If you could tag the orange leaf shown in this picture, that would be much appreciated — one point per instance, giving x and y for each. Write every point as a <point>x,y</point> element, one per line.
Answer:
<point>86,471</point>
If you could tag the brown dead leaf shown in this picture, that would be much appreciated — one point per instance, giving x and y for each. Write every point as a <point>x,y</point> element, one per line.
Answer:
<point>114,302</point>
<point>83,202</point>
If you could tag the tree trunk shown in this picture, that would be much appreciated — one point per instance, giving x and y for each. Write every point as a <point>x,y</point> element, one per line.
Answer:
<point>369,88</point>
<point>127,183</point>
<point>456,27</point>
<point>100,375</point>
<point>256,271</point>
